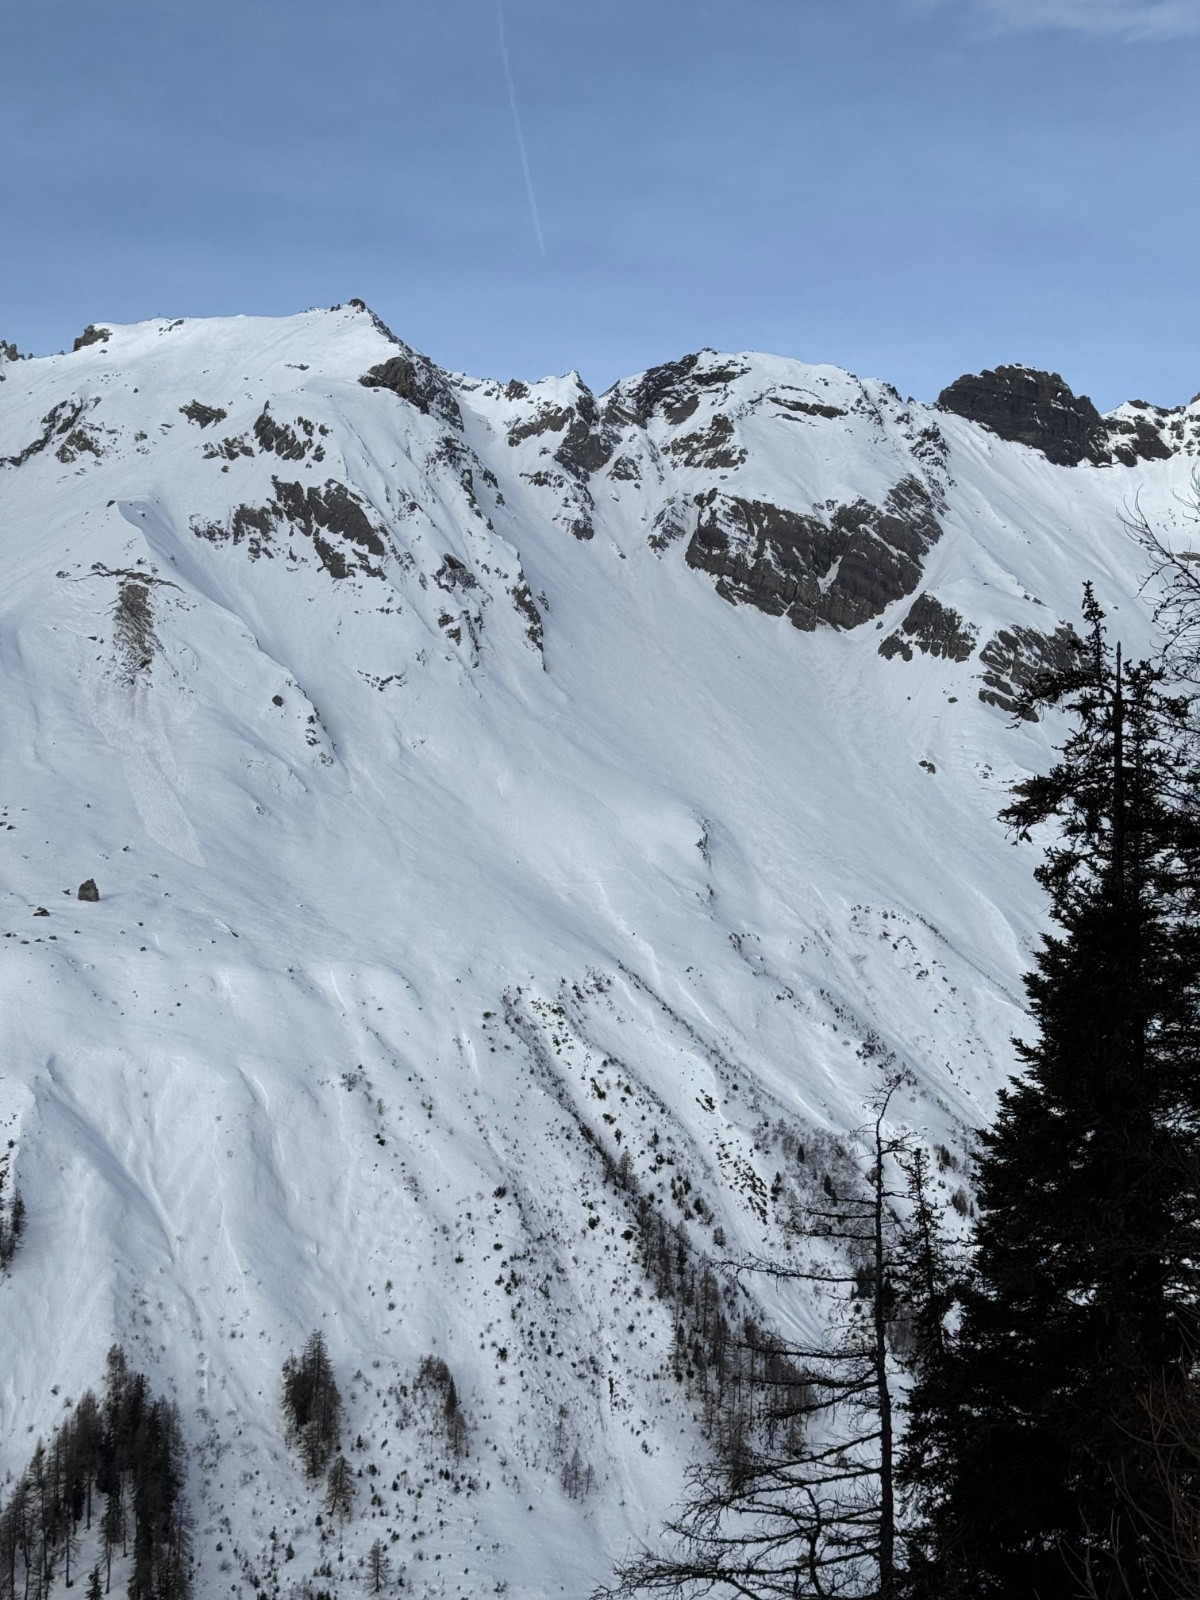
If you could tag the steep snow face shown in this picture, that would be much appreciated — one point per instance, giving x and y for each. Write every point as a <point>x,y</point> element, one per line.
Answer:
<point>519,816</point>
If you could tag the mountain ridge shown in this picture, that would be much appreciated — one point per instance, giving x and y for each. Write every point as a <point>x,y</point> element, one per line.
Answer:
<point>507,803</point>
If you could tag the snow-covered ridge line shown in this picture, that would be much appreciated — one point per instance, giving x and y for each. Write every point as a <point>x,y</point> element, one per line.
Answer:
<point>521,818</point>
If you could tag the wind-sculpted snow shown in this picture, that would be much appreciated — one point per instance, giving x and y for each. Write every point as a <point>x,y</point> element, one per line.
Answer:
<point>516,855</point>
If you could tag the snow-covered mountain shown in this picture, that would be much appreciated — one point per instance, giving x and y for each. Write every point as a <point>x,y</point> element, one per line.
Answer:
<point>522,820</point>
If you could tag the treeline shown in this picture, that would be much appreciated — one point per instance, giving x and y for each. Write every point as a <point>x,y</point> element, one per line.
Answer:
<point>1045,1440</point>
<point>12,1220</point>
<point>749,1387</point>
<point>1054,1447</point>
<point>116,1464</point>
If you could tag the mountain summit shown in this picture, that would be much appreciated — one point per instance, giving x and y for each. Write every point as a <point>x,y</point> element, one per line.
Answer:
<point>520,820</point>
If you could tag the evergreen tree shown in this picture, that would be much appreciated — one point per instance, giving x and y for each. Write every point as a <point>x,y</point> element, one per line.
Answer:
<point>312,1403</point>
<point>339,1496</point>
<point>379,1566</point>
<point>1026,1448</point>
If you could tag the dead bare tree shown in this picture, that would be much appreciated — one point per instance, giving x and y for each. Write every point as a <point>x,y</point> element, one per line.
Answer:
<point>1175,576</point>
<point>814,1516</point>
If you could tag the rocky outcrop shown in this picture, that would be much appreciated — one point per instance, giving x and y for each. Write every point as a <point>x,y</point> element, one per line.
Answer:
<point>1142,432</point>
<point>203,416</point>
<point>841,568</point>
<point>672,391</point>
<point>416,381</point>
<point>91,335</point>
<point>1032,408</point>
<point>1015,657</point>
<point>713,447</point>
<point>587,442</point>
<point>288,443</point>
<point>934,629</point>
<point>313,513</point>
<point>332,509</point>
<point>60,422</point>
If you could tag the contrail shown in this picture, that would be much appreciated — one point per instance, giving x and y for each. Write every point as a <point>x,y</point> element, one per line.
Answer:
<point>512,100</point>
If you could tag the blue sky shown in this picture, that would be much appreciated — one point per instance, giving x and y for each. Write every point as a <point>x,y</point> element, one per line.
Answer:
<point>908,188</point>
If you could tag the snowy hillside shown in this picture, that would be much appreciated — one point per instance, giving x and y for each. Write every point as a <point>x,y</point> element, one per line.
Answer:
<point>519,818</point>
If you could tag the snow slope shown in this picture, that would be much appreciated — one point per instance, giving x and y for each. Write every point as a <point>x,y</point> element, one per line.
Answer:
<point>460,843</point>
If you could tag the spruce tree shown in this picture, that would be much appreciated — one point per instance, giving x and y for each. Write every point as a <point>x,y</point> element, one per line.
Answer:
<point>1027,1441</point>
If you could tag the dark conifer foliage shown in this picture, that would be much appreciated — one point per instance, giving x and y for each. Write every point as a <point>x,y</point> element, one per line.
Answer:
<point>126,1449</point>
<point>12,1220</point>
<point>379,1566</point>
<point>339,1496</point>
<point>312,1404</point>
<point>1028,1446</point>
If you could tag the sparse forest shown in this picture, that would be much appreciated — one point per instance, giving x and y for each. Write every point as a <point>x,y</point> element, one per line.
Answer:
<point>806,1502</point>
<point>1045,1377</point>
<point>12,1219</point>
<point>118,1465</point>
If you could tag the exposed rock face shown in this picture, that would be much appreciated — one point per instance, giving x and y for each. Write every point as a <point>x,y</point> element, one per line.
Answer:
<point>335,510</point>
<point>91,335</point>
<point>587,442</point>
<point>1015,657</point>
<point>1136,433</point>
<point>279,439</point>
<point>88,890</point>
<point>58,423</point>
<point>712,447</point>
<point>203,416</point>
<point>842,571</point>
<point>1032,408</point>
<point>934,628</point>
<point>417,381</point>
<point>311,512</point>
<point>671,391</point>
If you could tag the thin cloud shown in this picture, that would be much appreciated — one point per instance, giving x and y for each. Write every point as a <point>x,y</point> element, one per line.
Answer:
<point>1148,21</point>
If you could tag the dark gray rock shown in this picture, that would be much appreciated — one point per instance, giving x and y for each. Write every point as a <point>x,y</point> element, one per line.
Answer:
<point>1032,408</point>
<point>1143,437</point>
<point>334,509</point>
<point>416,381</point>
<point>1016,657</point>
<point>58,423</point>
<point>522,598</point>
<point>91,335</point>
<point>454,574</point>
<point>310,512</point>
<point>806,408</point>
<point>935,629</point>
<point>276,438</point>
<point>587,443</point>
<point>672,391</point>
<point>228,449</point>
<point>710,447</point>
<point>841,570</point>
<point>88,890</point>
<point>669,527</point>
<point>203,416</point>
